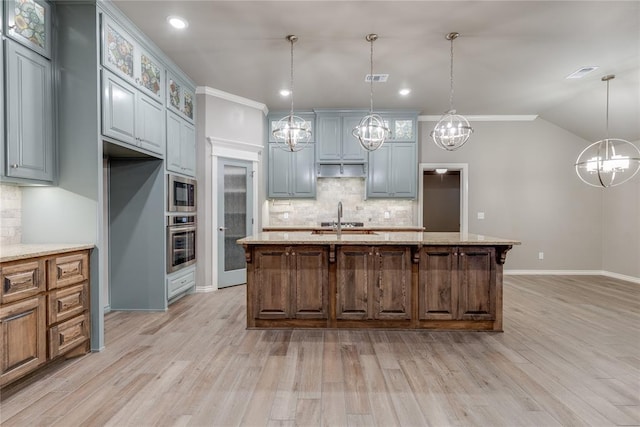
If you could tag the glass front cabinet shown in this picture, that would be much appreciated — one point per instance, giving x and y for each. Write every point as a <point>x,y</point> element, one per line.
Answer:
<point>28,22</point>
<point>180,99</point>
<point>125,57</point>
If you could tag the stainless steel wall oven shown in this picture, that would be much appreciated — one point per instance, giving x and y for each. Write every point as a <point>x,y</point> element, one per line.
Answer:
<point>181,241</point>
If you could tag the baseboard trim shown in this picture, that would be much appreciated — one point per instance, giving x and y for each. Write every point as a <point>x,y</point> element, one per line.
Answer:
<point>205,289</point>
<point>574,273</point>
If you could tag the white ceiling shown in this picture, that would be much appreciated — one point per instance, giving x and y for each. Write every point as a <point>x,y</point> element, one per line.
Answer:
<point>511,57</point>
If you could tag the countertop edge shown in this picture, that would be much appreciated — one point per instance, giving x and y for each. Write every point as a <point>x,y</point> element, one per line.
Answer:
<point>22,251</point>
<point>391,238</point>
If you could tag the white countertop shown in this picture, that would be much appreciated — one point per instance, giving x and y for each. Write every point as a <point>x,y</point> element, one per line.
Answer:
<point>377,238</point>
<point>31,250</point>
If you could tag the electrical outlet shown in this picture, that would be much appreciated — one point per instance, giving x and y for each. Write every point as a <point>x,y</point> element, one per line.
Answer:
<point>540,255</point>
<point>480,215</point>
<point>387,215</point>
<point>286,215</point>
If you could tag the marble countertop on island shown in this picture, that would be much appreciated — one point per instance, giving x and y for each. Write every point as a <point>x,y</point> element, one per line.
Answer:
<point>31,250</point>
<point>375,238</point>
<point>390,228</point>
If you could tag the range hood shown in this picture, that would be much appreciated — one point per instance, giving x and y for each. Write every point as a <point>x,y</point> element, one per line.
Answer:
<point>342,170</point>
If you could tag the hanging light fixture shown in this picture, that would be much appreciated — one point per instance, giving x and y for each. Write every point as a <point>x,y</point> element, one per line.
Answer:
<point>292,133</point>
<point>453,130</point>
<point>371,132</point>
<point>610,161</point>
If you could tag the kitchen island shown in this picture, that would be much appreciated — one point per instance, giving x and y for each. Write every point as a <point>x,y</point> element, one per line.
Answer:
<point>375,279</point>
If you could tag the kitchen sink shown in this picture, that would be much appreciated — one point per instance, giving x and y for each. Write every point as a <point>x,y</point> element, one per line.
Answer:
<point>344,231</point>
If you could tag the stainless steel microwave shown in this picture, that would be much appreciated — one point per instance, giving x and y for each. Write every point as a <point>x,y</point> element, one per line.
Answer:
<point>181,194</point>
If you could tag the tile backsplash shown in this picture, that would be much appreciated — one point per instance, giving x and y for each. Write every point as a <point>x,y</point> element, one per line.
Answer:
<point>351,192</point>
<point>10,214</point>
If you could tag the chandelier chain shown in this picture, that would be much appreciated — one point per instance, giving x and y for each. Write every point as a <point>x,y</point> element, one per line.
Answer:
<point>292,40</point>
<point>451,77</point>
<point>607,113</point>
<point>371,77</point>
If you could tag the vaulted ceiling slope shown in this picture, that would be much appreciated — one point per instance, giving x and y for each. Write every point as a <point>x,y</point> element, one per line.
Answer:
<point>511,58</point>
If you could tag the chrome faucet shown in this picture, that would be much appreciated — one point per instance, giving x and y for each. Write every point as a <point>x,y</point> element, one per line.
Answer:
<point>339,225</point>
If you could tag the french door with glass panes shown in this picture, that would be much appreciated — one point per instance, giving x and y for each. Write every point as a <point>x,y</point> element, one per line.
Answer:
<point>235,219</point>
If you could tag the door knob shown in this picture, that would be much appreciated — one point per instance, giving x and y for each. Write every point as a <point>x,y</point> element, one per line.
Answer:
<point>222,228</point>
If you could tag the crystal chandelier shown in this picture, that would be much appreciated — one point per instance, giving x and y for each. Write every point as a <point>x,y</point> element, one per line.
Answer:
<point>371,132</point>
<point>292,133</point>
<point>610,161</point>
<point>452,130</point>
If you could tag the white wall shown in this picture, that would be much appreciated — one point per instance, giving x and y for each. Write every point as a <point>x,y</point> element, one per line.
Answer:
<point>232,127</point>
<point>621,228</point>
<point>521,175</point>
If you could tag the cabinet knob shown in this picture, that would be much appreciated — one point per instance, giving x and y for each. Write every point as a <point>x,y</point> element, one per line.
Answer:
<point>14,166</point>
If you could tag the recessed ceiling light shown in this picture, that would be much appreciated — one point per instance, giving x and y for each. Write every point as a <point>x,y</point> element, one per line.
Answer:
<point>177,22</point>
<point>441,170</point>
<point>285,92</point>
<point>404,91</point>
<point>578,74</point>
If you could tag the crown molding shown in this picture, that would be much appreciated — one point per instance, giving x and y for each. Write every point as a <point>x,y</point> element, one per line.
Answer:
<point>206,90</point>
<point>487,118</point>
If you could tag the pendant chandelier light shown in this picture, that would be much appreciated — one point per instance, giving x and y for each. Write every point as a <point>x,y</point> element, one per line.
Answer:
<point>371,132</point>
<point>292,133</point>
<point>453,130</point>
<point>610,161</point>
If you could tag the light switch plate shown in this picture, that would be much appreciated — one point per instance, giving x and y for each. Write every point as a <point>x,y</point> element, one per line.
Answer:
<point>480,215</point>
<point>387,215</point>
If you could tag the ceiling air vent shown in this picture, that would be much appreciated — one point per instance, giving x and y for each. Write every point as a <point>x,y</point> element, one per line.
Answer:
<point>578,74</point>
<point>377,78</point>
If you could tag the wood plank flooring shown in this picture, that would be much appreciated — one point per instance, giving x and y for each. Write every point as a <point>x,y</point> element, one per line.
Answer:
<point>569,356</point>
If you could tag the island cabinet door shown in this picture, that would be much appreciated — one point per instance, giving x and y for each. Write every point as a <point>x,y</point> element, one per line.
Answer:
<point>393,283</point>
<point>309,290</point>
<point>477,283</point>
<point>437,290</point>
<point>272,283</point>
<point>356,276</point>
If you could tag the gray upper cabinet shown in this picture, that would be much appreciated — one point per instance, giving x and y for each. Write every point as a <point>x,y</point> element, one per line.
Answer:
<point>2,100</point>
<point>335,143</point>
<point>29,112</point>
<point>181,145</point>
<point>29,22</point>
<point>150,127</point>
<point>393,171</point>
<point>291,175</point>
<point>124,56</point>
<point>130,116</point>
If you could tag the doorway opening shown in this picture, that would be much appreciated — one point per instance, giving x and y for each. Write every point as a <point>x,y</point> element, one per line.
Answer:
<point>443,198</point>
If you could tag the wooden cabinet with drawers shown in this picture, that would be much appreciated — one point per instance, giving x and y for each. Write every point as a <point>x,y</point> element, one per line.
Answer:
<point>44,311</point>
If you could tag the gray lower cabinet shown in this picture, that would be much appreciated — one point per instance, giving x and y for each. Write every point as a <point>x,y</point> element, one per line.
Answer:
<point>130,116</point>
<point>181,145</point>
<point>181,282</point>
<point>29,113</point>
<point>392,171</point>
<point>291,175</point>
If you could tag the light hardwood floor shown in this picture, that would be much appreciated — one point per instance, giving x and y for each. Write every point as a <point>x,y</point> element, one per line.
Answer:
<point>569,355</point>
